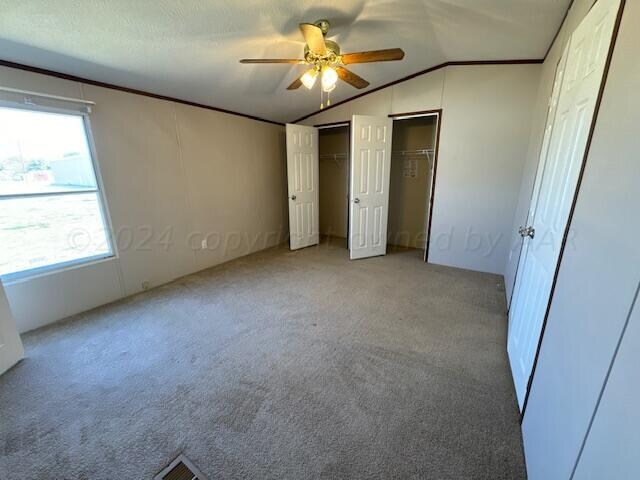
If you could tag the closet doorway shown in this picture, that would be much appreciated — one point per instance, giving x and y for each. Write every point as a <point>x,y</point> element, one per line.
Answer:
<point>393,179</point>
<point>411,188</point>
<point>333,143</point>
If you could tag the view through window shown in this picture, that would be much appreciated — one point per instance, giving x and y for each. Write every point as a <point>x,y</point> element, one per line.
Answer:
<point>50,205</point>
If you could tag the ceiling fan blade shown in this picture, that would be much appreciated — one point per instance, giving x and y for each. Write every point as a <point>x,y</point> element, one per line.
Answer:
<point>314,38</point>
<point>351,78</point>
<point>387,55</point>
<point>272,60</point>
<point>296,83</point>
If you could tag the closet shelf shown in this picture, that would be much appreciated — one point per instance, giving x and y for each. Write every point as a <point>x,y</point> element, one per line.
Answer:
<point>336,157</point>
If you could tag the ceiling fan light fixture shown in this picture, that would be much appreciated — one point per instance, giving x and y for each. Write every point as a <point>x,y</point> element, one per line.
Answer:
<point>309,78</point>
<point>329,78</point>
<point>329,89</point>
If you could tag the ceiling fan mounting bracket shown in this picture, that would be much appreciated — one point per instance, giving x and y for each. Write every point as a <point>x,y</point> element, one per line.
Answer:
<point>323,25</point>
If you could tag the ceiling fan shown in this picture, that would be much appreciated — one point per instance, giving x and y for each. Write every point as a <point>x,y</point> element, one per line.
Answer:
<point>326,61</point>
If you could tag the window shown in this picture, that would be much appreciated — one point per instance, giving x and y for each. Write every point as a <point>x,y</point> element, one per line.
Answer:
<point>51,211</point>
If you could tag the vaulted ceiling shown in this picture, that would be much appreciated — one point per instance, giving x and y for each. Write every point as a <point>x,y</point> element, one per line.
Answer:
<point>189,49</point>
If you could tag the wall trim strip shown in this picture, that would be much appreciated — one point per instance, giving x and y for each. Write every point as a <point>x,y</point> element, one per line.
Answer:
<point>420,113</point>
<point>555,37</point>
<point>432,198</point>
<point>74,78</point>
<point>334,124</point>
<point>422,72</point>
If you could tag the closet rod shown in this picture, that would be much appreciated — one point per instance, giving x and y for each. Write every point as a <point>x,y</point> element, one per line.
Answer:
<point>425,151</point>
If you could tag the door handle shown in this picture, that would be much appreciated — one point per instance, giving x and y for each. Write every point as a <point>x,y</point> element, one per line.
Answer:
<point>527,232</point>
<point>356,200</point>
<point>293,197</point>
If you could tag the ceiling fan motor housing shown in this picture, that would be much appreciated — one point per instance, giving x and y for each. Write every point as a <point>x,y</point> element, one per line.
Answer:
<point>331,57</point>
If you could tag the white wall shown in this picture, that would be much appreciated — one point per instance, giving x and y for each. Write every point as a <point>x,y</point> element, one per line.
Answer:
<point>171,171</point>
<point>597,281</point>
<point>483,144</point>
<point>10,344</point>
<point>611,448</point>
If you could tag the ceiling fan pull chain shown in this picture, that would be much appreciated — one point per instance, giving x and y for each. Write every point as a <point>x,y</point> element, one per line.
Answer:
<point>321,100</point>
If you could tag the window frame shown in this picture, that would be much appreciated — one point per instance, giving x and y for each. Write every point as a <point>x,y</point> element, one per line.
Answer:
<point>98,190</point>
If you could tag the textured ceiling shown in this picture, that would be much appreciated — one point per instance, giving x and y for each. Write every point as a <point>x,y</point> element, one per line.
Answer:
<point>189,49</point>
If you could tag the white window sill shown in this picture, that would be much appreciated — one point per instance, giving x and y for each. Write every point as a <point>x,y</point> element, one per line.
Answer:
<point>27,275</point>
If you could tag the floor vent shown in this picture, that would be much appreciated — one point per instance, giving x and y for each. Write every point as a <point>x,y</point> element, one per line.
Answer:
<point>180,469</point>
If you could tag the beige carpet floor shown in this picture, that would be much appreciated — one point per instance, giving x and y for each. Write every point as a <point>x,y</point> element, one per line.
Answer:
<point>279,365</point>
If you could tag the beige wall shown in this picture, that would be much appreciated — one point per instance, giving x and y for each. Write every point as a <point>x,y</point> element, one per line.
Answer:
<point>172,172</point>
<point>334,182</point>
<point>483,146</point>
<point>408,196</point>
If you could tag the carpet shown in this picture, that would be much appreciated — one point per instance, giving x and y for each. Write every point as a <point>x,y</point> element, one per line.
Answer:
<point>278,365</point>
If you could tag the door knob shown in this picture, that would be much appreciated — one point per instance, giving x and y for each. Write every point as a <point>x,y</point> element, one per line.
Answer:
<point>293,197</point>
<point>356,200</point>
<point>527,232</point>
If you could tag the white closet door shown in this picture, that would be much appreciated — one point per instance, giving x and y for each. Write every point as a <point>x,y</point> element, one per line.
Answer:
<point>370,176</point>
<point>10,344</point>
<point>555,186</point>
<point>302,179</point>
<point>517,337</point>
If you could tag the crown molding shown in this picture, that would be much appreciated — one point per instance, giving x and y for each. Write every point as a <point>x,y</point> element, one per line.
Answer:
<point>87,81</point>
<point>422,72</point>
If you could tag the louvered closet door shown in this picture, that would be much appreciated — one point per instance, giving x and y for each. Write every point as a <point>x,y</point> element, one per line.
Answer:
<point>555,185</point>
<point>370,174</point>
<point>302,180</point>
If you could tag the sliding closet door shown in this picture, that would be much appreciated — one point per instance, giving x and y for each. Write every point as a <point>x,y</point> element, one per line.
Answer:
<point>556,182</point>
<point>302,180</point>
<point>369,192</point>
